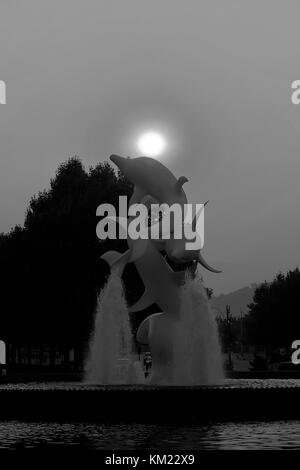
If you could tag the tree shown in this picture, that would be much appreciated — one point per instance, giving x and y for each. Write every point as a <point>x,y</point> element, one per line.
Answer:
<point>51,272</point>
<point>274,317</point>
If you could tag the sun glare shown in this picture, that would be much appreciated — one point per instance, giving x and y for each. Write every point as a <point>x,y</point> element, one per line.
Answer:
<point>151,144</point>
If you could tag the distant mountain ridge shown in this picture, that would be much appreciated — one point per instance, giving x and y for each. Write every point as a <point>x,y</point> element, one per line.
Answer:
<point>238,301</point>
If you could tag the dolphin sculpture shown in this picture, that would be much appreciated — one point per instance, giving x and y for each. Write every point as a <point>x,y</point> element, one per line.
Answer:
<point>162,285</point>
<point>177,252</point>
<point>151,177</point>
<point>160,281</point>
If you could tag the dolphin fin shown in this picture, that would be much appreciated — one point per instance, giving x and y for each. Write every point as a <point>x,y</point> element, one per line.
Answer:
<point>144,302</point>
<point>180,182</point>
<point>203,263</point>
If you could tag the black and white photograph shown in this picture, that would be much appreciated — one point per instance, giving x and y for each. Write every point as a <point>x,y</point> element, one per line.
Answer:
<point>149,228</point>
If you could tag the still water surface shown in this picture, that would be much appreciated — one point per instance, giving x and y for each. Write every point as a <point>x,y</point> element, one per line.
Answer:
<point>137,436</point>
<point>250,435</point>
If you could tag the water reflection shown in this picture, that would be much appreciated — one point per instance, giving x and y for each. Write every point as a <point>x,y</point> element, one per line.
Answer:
<point>137,436</point>
<point>246,435</point>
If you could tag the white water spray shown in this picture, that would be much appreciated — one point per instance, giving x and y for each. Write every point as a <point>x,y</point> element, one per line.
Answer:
<point>197,353</point>
<point>190,354</point>
<point>109,360</point>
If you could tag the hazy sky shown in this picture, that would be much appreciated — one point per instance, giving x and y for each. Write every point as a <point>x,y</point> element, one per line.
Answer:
<point>85,77</point>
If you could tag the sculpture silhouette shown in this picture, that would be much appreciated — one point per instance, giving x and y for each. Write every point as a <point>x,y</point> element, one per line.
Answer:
<point>154,182</point>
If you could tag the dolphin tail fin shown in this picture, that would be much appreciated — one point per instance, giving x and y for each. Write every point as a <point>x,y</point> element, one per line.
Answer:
<point>194,222</point>
<point>203,263</point>
<point>117,261</point>
<point>144,302</point>
<point>142,335</point>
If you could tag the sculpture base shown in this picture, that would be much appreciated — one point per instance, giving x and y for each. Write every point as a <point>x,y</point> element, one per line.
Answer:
<point>148,403</point>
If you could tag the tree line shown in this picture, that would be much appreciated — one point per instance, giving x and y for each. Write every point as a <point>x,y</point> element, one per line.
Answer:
<point>273,318</point>
<point>51,272</point>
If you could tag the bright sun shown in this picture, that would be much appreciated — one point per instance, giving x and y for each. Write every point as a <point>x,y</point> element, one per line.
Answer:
<point>151,144</point>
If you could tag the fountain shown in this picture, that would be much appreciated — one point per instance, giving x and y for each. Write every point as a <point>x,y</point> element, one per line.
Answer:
<point>182,335</point>
<point>111,341</point>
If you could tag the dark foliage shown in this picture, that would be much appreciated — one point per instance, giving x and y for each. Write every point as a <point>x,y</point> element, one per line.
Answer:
<point>274,315</point>
<point>51,272</point>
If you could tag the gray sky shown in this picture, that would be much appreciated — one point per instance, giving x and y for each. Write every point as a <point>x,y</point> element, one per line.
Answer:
<point>84,77</point>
